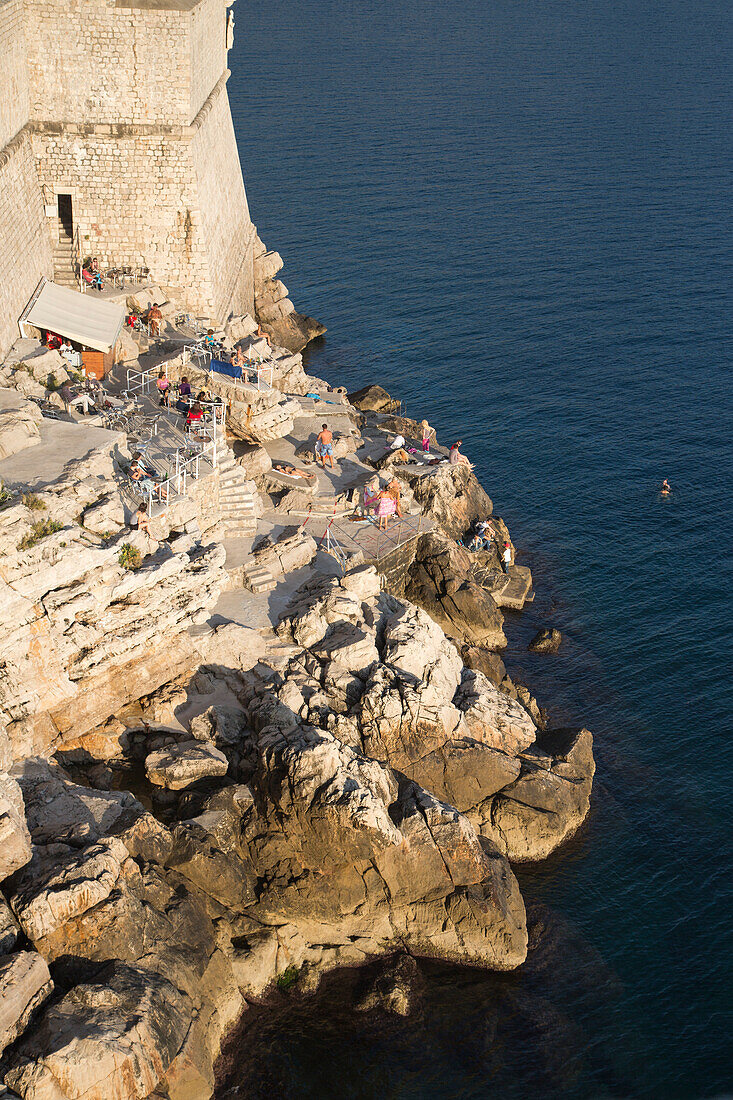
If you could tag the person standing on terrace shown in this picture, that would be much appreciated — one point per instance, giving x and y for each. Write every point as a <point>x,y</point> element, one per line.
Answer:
<point>324,446</point>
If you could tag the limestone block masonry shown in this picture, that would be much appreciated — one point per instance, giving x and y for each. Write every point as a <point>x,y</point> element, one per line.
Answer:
<point>128,115</point>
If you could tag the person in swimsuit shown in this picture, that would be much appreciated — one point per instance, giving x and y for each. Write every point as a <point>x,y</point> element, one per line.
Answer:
<point>324,446</point>
<point>666,488</point>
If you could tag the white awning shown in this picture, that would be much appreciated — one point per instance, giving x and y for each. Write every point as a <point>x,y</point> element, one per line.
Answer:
<point>83,318</point>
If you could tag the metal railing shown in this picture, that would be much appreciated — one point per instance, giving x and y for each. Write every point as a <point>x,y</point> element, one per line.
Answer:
<point>142,380</point>
<point>76,258</point>
<point>203,440</point>
<point>332,546</point>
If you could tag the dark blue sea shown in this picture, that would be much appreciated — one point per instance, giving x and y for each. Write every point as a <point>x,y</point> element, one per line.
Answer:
<point>516,216</point>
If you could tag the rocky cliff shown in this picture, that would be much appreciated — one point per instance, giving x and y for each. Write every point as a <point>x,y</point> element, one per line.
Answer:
<point>191,807</point>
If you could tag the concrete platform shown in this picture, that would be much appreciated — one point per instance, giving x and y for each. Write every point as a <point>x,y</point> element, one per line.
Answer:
<point>61,442</point>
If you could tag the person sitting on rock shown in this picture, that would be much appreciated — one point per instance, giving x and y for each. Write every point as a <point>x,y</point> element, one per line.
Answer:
<point>483,538</point>
<point>141,521</point>
<point>456,458</point>
<point>324,446</point>
<point>263,335</point>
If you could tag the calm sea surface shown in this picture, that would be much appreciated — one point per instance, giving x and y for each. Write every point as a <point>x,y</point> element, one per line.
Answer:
<point>516,216</point>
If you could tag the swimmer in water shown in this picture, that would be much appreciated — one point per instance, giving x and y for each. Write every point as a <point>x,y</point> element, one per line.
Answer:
<point>666,488</point>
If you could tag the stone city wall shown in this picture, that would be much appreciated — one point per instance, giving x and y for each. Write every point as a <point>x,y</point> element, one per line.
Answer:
<point>207,53</point>
<point>227,227</point>
<point>135,201</point>
<point>92,61</point>
<point>25,248</point>
<point>13,71</point>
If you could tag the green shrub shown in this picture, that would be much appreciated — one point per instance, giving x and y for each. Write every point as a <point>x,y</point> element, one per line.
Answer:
<point>39,530</point>
<point>288,978</point>
<point>129,557</point>
<point>52,383</point>
<point>34,502</point>
<point>6,497</point>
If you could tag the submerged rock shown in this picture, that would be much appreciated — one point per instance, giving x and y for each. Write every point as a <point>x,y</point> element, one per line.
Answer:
<point>392,990</point>
<point>546,640</point>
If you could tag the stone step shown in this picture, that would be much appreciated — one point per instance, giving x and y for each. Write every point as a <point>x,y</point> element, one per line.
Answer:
<point>239,528</point>
<point>236,492</point>
<point>238,503</point>
<point>238,514</point>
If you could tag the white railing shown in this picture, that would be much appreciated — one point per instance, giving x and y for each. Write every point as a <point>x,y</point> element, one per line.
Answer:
<point>200,352</point>
<point>205,436</point>
<point>142,380</point>
<point>332,546</point>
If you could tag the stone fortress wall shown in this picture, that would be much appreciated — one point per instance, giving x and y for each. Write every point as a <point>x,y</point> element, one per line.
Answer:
<point>124,105</point>
<point>25,244</point>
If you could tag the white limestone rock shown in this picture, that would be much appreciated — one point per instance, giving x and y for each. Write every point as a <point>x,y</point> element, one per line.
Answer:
<point>493,717</point>
<point>15,841</point>
<point>113,1039</point>
<point>180,765</point>
<point>20,422</point>
<point>45,902</point>
<point>25,982</point>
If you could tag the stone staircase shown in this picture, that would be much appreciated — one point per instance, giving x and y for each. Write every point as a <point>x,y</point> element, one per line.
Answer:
<point>257,578</point>
<point>63,264</point>
<point>236,500</point>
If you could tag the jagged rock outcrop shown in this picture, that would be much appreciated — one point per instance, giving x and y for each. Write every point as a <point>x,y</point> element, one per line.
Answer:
<point>450,495</point>
<point>20,422</point>
<point>441,582</point>
<point>372,399</point>
<point>113,1037</point>
<point>549,801</point>
<point>274,310</point>
<point>185,763</point>
<point>381,676</point>
<point>80,634</point>
<point>25,982</point>
<point>547,640</point>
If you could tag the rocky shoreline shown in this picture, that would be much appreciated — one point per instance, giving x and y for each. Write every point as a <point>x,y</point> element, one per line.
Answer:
<point>194,805</point>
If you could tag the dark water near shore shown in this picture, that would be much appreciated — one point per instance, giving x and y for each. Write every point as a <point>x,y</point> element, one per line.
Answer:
<point>517,217</point>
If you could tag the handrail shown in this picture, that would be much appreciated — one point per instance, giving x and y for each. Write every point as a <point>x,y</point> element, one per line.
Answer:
<point>188,467</point>
<point>76,258</point>
<point>141,379</point>
<point>334,548</point>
